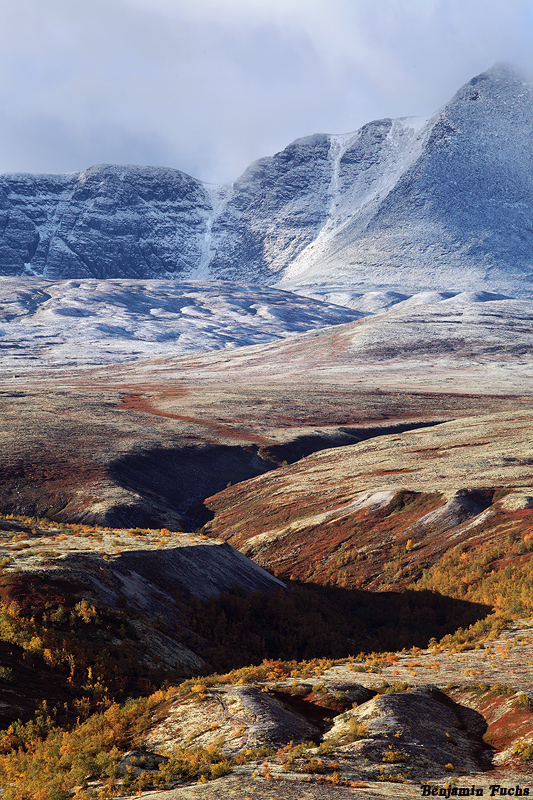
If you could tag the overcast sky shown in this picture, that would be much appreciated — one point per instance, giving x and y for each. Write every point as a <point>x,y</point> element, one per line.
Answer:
<point>207,86</point>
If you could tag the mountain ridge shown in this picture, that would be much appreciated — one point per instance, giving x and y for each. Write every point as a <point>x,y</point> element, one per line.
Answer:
<point>416,204</point>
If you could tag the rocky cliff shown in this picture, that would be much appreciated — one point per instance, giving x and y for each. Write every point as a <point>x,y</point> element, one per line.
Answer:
<point>408,203</point>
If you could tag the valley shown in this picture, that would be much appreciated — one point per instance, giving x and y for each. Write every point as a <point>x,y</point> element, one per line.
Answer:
<point>266,480</point>
<point>395,530</point>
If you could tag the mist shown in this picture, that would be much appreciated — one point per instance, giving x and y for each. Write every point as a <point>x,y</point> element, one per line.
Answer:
<point>207,87</point>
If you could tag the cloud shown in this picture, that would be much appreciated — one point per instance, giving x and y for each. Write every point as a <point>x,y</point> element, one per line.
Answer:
<point>209,85</point>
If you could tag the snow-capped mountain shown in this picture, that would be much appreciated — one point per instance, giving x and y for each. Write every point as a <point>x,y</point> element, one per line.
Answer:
<point>440,203</point>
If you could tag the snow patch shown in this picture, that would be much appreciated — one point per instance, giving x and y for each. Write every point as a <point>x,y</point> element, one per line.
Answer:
<point>219,196</point>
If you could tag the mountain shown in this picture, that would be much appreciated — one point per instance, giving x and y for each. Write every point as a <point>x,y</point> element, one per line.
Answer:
<point>445,204</point>
<point>409,204</point>
<point>380,469</point>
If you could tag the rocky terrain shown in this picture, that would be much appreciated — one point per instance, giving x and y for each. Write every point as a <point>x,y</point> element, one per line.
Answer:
<point>379,724</point>
<point>256,543</point>
<point>417,718</point>
<point>442,203</point>
<point>378,473</point>
<point>143,571</point>
<point>414,527</point>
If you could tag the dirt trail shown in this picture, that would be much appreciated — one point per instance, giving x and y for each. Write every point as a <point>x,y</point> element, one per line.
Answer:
<point>139,402</point>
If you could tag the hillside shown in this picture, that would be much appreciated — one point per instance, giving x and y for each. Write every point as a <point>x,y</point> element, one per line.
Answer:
<point>144,443</point>
<point>88,618</point>
<point>48,324</point>
<point>394,510</point>
<point>400,519</point>
<point>51,325</point>
<point>263,543</point>
<point>411,205</point>
<point>472,344</point>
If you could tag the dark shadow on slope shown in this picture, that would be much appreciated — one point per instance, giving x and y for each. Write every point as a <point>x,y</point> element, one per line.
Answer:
<point>179,479</point>
<point>232,613</point>
<point>203,570</point>
<point>151,590</point>
<point>304,445</point>
<point>25,682</point>
<point>471,722</point>
<point>311,621</point>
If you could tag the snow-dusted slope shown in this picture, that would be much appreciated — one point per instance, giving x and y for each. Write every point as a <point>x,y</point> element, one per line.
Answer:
<point>105,222</point>
<point>366,166</point>
<point>472,343</point>
<point>76,322</point>
<point>404,205</point>
<point>454,204</point>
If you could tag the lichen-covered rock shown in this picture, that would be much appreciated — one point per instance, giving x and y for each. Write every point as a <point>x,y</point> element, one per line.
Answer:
<point>419,732</point>
<point>134,762</point>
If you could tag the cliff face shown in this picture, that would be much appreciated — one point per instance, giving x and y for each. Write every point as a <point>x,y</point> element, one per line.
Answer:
<point>108,221</point>
<point>408,203</point>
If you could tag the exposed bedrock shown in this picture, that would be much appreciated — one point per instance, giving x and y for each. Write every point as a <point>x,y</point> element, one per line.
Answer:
<point>427,718</point>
